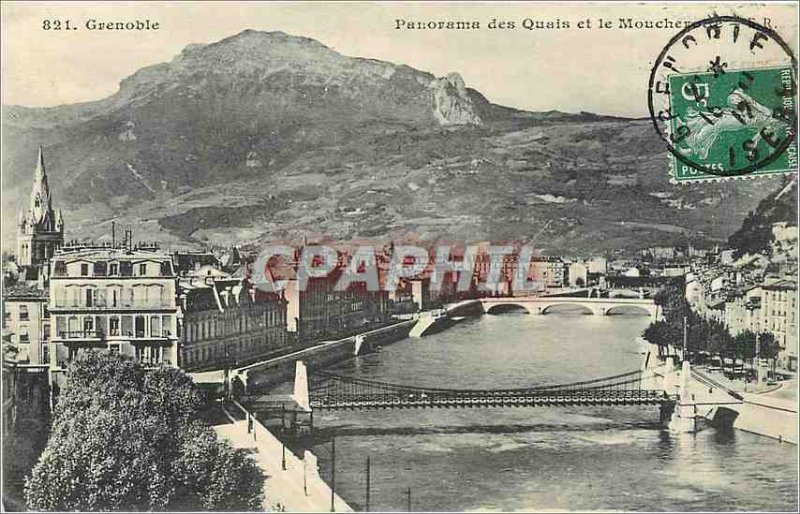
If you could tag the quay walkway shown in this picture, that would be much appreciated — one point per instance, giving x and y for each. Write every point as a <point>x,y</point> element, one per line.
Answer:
<point>298,487</point>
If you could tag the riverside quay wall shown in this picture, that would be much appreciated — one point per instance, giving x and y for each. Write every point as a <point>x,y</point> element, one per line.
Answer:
<point>259,377</point>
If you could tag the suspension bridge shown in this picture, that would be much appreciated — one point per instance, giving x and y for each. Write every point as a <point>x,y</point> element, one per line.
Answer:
<point>329,391</point>
<point>664,385</point>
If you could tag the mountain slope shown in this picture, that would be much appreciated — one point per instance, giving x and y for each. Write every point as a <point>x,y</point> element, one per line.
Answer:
<point>267,135</point>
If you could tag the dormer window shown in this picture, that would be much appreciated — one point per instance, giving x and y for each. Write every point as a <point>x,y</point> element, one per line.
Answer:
<point>100,268</point>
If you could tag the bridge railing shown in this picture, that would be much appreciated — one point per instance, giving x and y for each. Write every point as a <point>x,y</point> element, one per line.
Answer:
<point>333,385</point>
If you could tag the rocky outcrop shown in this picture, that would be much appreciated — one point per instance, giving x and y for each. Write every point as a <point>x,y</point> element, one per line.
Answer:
<point>453,105</point>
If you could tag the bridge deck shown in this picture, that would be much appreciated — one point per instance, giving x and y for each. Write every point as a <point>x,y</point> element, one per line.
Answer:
<point>556,398</point>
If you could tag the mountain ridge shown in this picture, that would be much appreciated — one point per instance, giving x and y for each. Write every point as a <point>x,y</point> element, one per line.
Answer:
<point>350,147</point>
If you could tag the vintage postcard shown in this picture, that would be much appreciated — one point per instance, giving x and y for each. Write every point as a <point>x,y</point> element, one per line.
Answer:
<point>399,256</point>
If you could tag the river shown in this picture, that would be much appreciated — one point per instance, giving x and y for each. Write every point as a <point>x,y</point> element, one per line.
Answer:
<point>581,458</point>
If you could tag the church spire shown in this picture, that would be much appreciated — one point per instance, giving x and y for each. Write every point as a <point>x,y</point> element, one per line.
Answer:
<point>40,174</point>
<point>41,230</point>
<point>41,203</point>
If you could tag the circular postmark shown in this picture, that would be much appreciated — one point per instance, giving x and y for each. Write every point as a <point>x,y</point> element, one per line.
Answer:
<point>722,95</point>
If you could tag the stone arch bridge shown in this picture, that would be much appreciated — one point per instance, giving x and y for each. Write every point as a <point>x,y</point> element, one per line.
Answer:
<point>598,306</point>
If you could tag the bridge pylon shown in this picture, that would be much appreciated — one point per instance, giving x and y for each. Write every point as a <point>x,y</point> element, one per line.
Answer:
<point>300,394</point>
<point>684,417</point>
<point>358,342</point>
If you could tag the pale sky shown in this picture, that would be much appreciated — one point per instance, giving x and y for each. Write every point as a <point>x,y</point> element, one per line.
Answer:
<point>602,71</point>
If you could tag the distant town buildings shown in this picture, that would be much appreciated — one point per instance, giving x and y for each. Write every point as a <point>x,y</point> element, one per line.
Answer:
<point>549,271</point>
<point>756,293</point>
<point>320,310</point>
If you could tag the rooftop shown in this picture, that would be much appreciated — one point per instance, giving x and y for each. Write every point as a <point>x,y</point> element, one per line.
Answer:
<point>109,252</point>
<point>25,291</point>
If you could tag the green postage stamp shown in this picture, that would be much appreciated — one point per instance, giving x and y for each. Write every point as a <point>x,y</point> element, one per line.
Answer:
<point>732,120</point>
<point>722,95</point>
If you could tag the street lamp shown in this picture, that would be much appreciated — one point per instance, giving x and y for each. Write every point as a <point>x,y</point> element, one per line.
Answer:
<point>333,472</point>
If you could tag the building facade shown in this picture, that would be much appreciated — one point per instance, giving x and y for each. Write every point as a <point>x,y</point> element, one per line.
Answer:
<point>549,271</point>
<point>26,323</point>
<point>225,322</point>
<point>115,299</point>
<point>321,311</point>
<point>779,316</point>
<point>578,274</point>
<point>743,311</point>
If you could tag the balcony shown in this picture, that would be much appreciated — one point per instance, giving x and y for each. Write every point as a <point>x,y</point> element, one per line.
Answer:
<point>138,334</point>
<point>94,335</point>
<point>101,304</point>
<point>99,335</point>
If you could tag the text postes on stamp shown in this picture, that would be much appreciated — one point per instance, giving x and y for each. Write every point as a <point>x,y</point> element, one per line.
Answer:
<point>722,96</point>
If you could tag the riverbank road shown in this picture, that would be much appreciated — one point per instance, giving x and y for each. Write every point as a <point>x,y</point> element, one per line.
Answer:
<point>294,489</point>
<point>772,414</point>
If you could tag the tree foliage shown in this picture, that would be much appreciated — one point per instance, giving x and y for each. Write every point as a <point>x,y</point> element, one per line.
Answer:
<point>702,335</point>
<point>755,236</point>
<point>128,439</point>
<point>744,345</point>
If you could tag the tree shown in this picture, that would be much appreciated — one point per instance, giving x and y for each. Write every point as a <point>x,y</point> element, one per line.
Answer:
<point>672,301</point>
<point>755,236</point>
<point>662,334</point>
<point>769,348</point>
<point>127,439</point>
<point>719,339</point>
<point>744,345</point>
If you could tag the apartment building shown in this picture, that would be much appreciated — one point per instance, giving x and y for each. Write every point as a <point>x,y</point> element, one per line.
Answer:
<point>116,299</point>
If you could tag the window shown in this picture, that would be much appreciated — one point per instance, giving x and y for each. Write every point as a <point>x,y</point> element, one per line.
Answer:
<point>114,298</point>
<point>113,269</point>
<point>100,269</point>
<point>126,269</point>
<point>23,336</point>
<point>84,270</point>
<point>113,326</point>
<point>127,326</point>
<point>89,297</point>
<point>23,313</point>
<point>45,312</point>
<point>143,269</point>
<point>166,269</point>
<point>61,326</point>
<point>139,327</point>
<point>88,324</point>
<point>155,326</point>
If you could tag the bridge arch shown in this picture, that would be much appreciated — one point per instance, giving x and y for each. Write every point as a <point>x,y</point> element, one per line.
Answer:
<point>629,309</point>
<point>567,306</point>
<point>724,418</point>
<point>507,308</point>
